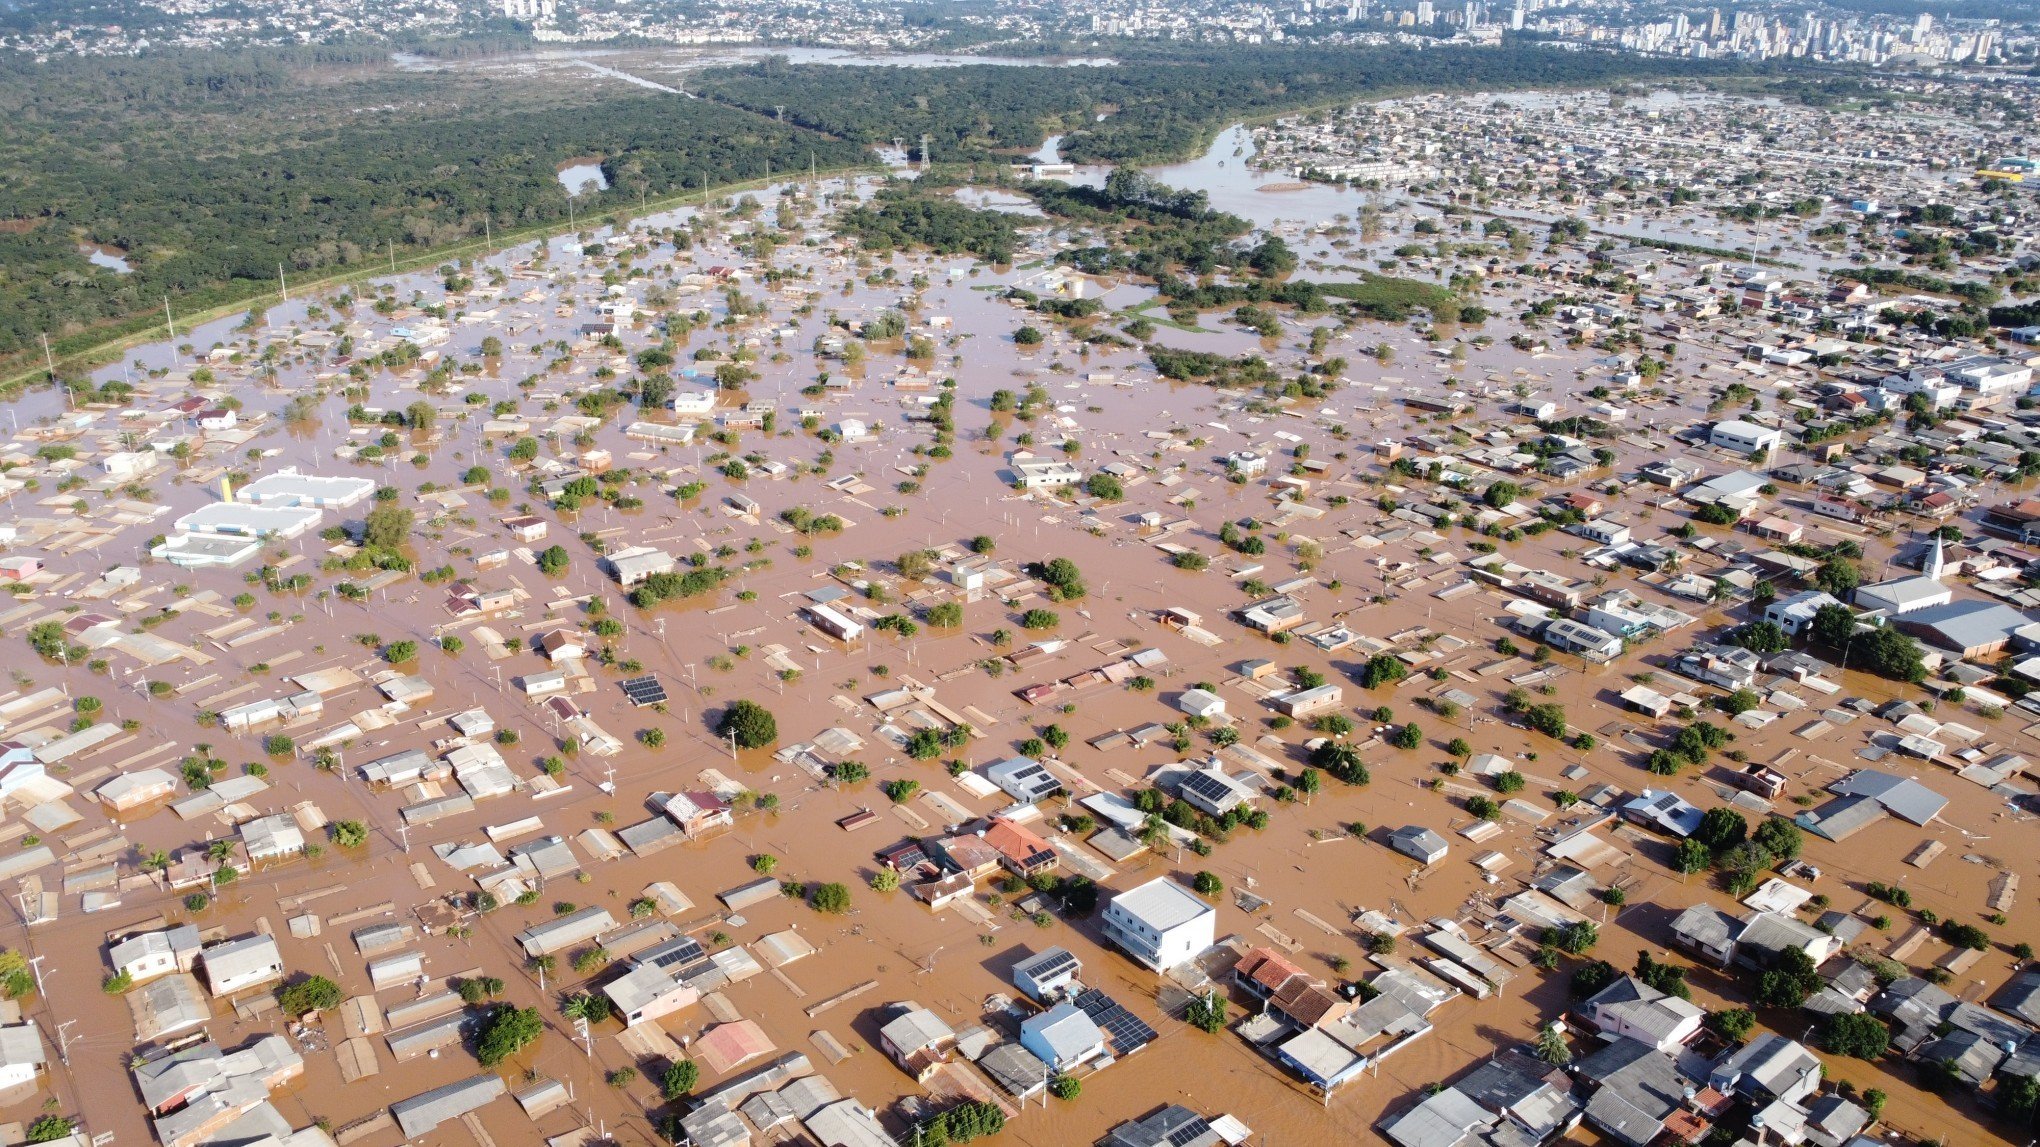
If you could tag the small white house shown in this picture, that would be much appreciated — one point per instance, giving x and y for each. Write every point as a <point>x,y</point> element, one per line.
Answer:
<point>152,954</point>
<point>22,1057</point>
<point>1048,975</point>
<point>238,965</point>
<point>1063,1037</point>
<point>1201,703</point>
<point>1418,843</point>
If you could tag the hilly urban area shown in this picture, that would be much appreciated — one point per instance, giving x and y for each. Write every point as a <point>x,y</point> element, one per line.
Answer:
<point>1511,614</point>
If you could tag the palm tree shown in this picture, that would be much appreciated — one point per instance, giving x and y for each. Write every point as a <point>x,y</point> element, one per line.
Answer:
<point>1551,1046</point>
<point>1155,833</point>
<point>158,861</point>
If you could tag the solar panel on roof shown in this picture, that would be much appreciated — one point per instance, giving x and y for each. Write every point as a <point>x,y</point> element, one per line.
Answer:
<point>644,691</point>
<point>1127,1031</point>
<point>682,951</point>
<point>1049,964</point>
<point>1189,1132</point>
<point>1207,786</point>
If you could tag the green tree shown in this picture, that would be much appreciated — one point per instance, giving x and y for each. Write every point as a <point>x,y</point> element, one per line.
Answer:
<point>311,994</point>
<point>1206,1012</point>
<point>1552,1047</point>
<point>1067,1087</point>
<point>1779,837</point>
<point>1838,576</point>
<point>388,527</point>
<point>749,724</point>
<point>552,561</point>
<point>1547,718</point>
<point>1575,938</point>
<point>1382,669</point>
<point>1207,884</point>
<point>1860,1035</point>
<point>679,1079</point>
<point>507,1031</point>
<point>1789,983</point>
<point>1761,637</point>
<point>349,833</point>
<point>833,899</point>
<point>1733,1024</point>
<point>1721,828</point>
<point>1832,626</point>
<point>1589,978</point>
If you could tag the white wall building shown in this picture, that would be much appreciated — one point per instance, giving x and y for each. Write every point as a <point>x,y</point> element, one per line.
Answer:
<point>1745,437</point>
<point>1161,923</point>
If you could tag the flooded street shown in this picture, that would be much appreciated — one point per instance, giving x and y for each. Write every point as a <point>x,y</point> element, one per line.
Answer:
<point>577,315</point>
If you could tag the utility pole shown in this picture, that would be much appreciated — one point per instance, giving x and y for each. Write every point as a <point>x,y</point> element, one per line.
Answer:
<point>780,111</point>
<point>282,286</point>
<point>925,160</point>
<point>64,1043</point>
<point>35,965</point>
<point>49,360</point>
<point>169,324</point>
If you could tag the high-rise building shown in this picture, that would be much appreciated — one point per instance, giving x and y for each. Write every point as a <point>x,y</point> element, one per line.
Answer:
<point>1516,17</point>
<point>1426,14</point>
<point>1923,27</point>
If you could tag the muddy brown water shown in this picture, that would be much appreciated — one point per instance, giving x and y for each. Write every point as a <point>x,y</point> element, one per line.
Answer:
<point>943,961</point>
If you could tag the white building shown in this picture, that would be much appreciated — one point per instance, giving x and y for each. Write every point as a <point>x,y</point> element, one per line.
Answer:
<point>1793,614</point>
<point>693,403</point>
<point>1161,923</point>
<point>1034,473</point>
<point>241,964</point>
<point>287,487</point>
<point>236,519</point>
<point>152,954</point>
<point>22,1058</point>
<point>1745,437</point>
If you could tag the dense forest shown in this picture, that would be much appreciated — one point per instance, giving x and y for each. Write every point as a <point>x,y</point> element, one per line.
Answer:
<point>203,212</point>
<point>1161,105</point>
<point>922,214</point>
